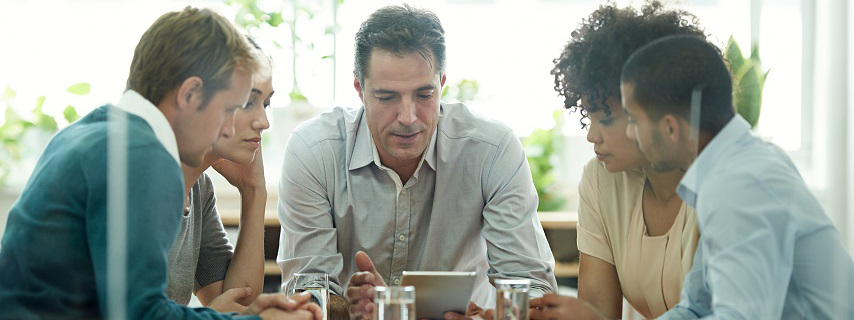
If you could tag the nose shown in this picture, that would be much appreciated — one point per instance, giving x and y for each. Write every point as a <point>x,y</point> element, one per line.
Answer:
<point>261,122</point>
<point>407,114</point>
<point>593,134</point>
<point>227,130</point>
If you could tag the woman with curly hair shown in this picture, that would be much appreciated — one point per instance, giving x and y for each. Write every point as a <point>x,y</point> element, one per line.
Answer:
<point>636,236</point>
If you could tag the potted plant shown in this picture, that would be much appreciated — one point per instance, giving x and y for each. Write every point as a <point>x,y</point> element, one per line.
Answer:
<point>749,80</point>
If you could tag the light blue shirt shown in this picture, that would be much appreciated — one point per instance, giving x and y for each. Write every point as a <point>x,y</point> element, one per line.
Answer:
<point>767,249</point>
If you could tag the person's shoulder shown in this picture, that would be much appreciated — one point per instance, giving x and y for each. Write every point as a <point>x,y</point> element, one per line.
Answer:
<point>204,185</point>
<point>331,125</point>
<point>457,121</point>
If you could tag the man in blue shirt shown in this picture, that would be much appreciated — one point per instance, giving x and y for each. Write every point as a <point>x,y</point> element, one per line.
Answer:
<point>191,70</point>
<point>767,249</point>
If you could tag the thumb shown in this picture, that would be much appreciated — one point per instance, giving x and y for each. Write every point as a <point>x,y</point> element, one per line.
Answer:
<point>364,262</point>
<point>234,294</point>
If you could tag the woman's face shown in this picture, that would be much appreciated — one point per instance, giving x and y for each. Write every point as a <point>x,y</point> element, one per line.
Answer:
<point>249,122</point>
<point>607,132</point>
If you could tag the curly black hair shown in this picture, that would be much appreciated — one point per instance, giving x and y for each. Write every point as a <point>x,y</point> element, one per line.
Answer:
<point>591,61</point>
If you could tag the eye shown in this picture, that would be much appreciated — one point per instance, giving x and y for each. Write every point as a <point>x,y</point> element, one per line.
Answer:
<point>384,98</point>
<point>425,96</point>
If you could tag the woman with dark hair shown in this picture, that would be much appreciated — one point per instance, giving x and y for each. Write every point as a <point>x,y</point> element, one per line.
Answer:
<point>636,236</point>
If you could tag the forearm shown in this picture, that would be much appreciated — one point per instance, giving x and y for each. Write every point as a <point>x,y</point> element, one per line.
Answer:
<point>337,309</point>
<point>247,265</point>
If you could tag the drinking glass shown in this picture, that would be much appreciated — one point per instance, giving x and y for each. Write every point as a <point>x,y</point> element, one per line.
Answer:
<point>315,283</point>
<point>394,303</point>
<point>512,295</point>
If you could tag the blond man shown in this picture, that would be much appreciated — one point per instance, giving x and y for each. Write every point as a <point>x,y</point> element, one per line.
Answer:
<point>108,193</point>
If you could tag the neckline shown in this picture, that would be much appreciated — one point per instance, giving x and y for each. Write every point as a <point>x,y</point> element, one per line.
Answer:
<point>666,235</point>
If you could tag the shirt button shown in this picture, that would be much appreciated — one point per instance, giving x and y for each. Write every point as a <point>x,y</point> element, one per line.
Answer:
<point>404,191</point>
<point>402,237</point>
<point>397,281</point>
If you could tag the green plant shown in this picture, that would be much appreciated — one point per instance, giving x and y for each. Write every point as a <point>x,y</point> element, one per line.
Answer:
<point>542,148</point>
<point>749,81</point>
<point>253,18</point>
<point>15,126</point>
<point>464,91</point>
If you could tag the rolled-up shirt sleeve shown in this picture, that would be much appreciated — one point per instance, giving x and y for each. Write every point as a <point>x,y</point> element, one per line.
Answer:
<point>516,244</point>
<point>308,240</point>
<point>592,238</point>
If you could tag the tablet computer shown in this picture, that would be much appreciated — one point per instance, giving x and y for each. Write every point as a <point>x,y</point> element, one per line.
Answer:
<point>439,291</point>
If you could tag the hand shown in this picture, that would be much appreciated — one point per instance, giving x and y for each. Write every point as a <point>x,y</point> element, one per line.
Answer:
<point>227,301</point>
<point>242,176</point>
<point>360,291</point>
<point>552,306</point>
<point>274,313</point>
<point>474,312</point>
<point>297,302</point>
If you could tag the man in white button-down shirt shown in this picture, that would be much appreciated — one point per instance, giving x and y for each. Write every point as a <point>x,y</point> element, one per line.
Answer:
<point>767,249</point>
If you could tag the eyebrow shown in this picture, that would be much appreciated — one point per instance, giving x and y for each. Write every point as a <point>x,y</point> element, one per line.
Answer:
<point>256,91</point>
<point>385,91</point>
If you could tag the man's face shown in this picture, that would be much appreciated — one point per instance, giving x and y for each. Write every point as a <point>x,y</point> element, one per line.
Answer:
<point>647,133</point>
<point>401,98</point>
<point>197,129</point>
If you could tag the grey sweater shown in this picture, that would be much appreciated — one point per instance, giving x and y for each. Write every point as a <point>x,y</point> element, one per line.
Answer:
<point>201,253</point>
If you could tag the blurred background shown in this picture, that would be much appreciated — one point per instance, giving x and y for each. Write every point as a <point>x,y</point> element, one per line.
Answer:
<point>61,59</point>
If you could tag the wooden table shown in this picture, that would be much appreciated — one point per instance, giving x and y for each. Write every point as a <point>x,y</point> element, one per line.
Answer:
<point>550,220</point>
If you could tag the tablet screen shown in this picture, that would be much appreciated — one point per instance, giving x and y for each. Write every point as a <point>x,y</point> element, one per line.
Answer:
<point>439,291</point>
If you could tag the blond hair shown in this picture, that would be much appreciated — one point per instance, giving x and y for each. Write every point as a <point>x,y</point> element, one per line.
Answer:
<point>187,43</point>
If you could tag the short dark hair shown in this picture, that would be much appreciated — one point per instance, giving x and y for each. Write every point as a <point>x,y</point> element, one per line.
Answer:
<point>400,29</point>
<point>666,72</point>
<point>590,62</point>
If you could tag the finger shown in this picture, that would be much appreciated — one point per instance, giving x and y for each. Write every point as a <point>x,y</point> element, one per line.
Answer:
<point>315,310</point>
<point>361,310</point>
<point>536,302</point>
<point>360,278</point>
<point>278,301</point>
<point>473,308</point>
<point>234,294</point>
<point>489,314</point>
<point>550,299</point>
<point>304,315</point>
<point>300,298</point>
<point>550,313</point>
<point>535,313</point>
<point>354,294</point>
<point>364,263</point>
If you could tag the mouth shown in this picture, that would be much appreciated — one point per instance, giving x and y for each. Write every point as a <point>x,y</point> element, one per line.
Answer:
<point>601,156</point>
<point>405,138</point>
<point>254,141</point>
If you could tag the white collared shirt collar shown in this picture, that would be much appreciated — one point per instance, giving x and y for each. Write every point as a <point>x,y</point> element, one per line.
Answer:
<point>135,104</point>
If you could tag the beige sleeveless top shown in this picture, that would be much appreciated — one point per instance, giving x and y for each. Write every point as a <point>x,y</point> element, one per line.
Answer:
<point>611,227</point>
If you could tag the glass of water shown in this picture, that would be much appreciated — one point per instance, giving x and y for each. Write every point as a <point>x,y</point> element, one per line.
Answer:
<point>394,303</point>
<point>315,283</point>
<point>513,301</point>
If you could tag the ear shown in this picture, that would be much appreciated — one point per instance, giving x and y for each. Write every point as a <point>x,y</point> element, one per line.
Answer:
<point>190,94</point>
<point>358,86</point>
<point>670,128</point>
<point>443,81</point>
